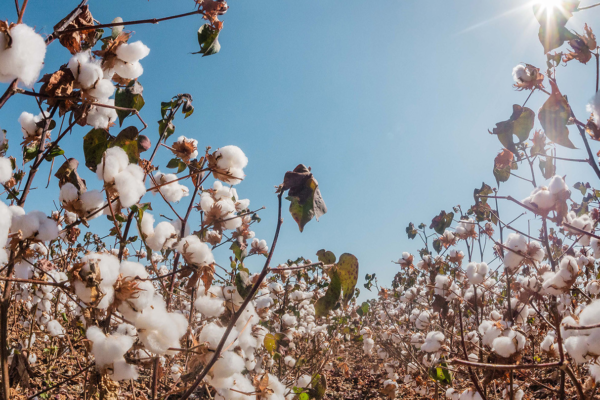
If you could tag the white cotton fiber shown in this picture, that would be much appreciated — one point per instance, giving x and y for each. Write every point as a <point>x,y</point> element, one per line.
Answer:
<point>89,74</point>
<point>433,342</point>
<point>158,329</point>
<point>54,328</point>
<point>102,90</point>
<point>228,364</point>
<point>233,160</point>
<point>102,117</point>
<point>24,58</point>
<point>195,252</point>
<point>68,193</point>
<point>210,306</point>
<point>132,52</point>
<point>5,170</point>
<point>172,192</point>
<point>130,185</point>
<point>92,200</point>
<point>128,70</point>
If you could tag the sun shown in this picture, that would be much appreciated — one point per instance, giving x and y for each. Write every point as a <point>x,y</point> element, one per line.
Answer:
<point>549,5</point>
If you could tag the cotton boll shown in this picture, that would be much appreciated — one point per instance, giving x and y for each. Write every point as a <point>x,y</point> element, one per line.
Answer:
<point>132,52</point>
<point>29,123</point>
<point>68,193</point>
<point>102,90</point>
<point>116,160</point>
<point>108,349</point>
<point>452,394</point>
<point>130,185</point>
<point>173,192</point>
<point>5,170</point>
<point>158,329</point>
<point>229,364</point>
<point>89,74</point>
<point>25,56</point>
<point>210,306</point>
<point>590,314</point>
<point>127,329</point>
<point>92,200</point>
<point>163,237</point>
<point>212,334</point>
<point>557,185</point>
<point>521,74</point>
<point>470,394</point>
<point>195,252</point>
<point>433,342</point>
<point>233,160</point>
<point>595,372</point>
<point>123,371</point>
<point>76,61</point>
<point>147,224</point>
<point>592,107</point>
<point>54,328</point>
<point>577,348</point>
<point>476,272</point>
<point>23,270</point>
<point>102,117</point>
<point>128,70</point>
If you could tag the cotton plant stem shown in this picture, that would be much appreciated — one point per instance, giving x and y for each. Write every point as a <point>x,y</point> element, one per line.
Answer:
<point>236,316</point>
<point>4,307</point>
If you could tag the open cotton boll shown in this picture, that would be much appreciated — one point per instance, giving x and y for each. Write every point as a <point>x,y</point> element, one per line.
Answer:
<point>130,185</point>
<point>233,160</point>
<point>212,334</point>
<point>68,193</point>
<point>489,331</point>
<point>92,200</point>
<point>595,372</point>
<point>592,107</point>
<point>76,61</point>
<point>128,70</point>
<point>422,321</point>
<point>590,314</point>
<point>582,222</point>
<point>506,346</point>
<point>557,185</point>
<point>29,123</point>
<point>577,347</point>
<point>132,52</point>
<point>520,74</point>
<point>123,371</point>
<point>210,306</point>
<point>54,328</point>
<point>164,236</point>
<point>476,272</point>
<point>102,89</point>
<point>277,387</point>
<point>126,329</point>
<point>173,192</point>
<point>159,329</point>
<point>5,223</point>
<point>116,160</point>
<point>24,58</point>
<point>107,267</point>
<point>470,394</point>
<point>452,394</point>
<point>102,117</point>
<point>108,349</point>
<point>303,381</point>
<point>195,252</point>
<point>433,342</point>
<point>228,364</point>
<point>368,345</point>
<point>5,169</point>
<point>89,74</point>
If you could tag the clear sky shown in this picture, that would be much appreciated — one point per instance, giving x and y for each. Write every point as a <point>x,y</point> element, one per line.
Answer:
<point>389,102</point>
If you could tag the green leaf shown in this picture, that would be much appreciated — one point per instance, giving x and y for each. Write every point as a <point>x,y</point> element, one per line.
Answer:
<point>208,39</point>
<point>326,257</point>
<point>177,163</point>
<point>243,283</point>
<point>347,268</point>
<point>554,115</point>
<point>553,33</point>
<point>441,374</point>
<point>441,222</point>
<point>127,139</point>
<point>331,297</point>
<point>519,124</point>
<point>30,152</point>
<point>304,396</point>
<point>55,152</point>
<point>166,128</point>
<point>547,167</point>
<point>95,143</point>
<point>270,343</point>
<point>304,195</point>
<point>437,245</point>
<point>502,174</point>
<point>363,309</point>
<point>411,231</point>
<point>129,97</point>
<point>239,253</point>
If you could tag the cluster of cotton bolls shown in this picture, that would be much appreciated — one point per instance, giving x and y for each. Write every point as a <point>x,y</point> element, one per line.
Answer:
<point>21,55</point>
<point>221,205</point>
<point>162,236</point>
<point>118,174</point>
<point>172,192</point>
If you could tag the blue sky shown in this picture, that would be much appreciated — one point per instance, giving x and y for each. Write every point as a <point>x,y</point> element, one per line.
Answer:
<point>389,102</point>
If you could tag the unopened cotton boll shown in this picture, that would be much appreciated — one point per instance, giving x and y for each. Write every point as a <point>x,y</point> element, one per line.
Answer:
<point>5,170</point>
<point>24,58</point>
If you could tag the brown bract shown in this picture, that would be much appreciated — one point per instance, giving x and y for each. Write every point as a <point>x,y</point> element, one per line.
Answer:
<point>184,149</point>
<point>109,52</point>
<point>74,41</point>
<point>5,28</point>
<point>503,159</point>
<point>60,84</point>
<point>582,46</point>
